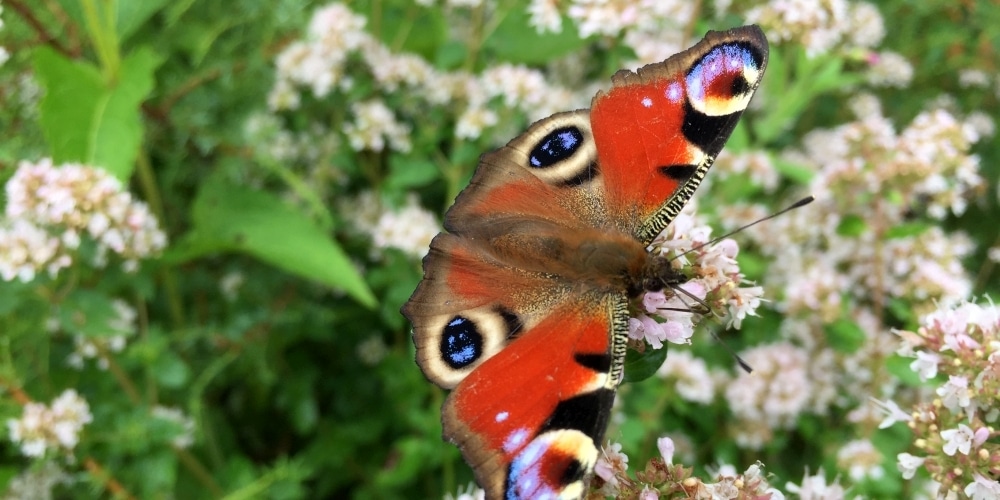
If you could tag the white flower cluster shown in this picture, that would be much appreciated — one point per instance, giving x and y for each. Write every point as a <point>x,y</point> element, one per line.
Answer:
<point>468,492</point>
<point>717,282</point>
<point>184,436</point>
<point>374,127</point>
<point>957,430</point>
<point>755,166</point>
<point>888,69</point>
<point>87,347</point>
<point>815,487</point>
<point>660,474</point>
<point>691,376</point>
<point>409,229</point>
<point>819,25</point>
<point>37,481</point>
<point>49,209</point>
<point>861,460</point>
<point>653,29</point>
<point>928,164</point>
<point>321,62</point>
<point>58,426</point>
<point>773,396</point>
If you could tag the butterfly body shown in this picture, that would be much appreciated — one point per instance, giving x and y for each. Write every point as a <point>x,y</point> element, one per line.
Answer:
<point>523,309</point>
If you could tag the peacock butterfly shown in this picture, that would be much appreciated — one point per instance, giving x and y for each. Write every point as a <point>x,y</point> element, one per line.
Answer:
<point>524,306</point>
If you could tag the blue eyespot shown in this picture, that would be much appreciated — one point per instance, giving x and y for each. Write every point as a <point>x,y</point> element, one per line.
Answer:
<point>461,344</point>
<point>555,147</point>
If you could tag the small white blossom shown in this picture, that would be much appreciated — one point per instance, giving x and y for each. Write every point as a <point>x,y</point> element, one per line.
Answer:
<point>908,464</point>
<point>926,365</point>
<point>815,487</point>
<point>544,16</point>
<point>667,448</point>
<point>611,463</point>
<point>893,413</point>
<point>959,439</point>
<point>861,460</point>
<point>955,394</point>
<point>983,489</point>
<point>469,492</point>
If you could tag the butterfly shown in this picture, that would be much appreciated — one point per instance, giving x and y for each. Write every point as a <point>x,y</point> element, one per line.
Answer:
<point>524,305</point>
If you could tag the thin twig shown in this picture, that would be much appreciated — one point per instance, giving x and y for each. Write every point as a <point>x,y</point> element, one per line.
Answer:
<point>43,34</point>
<point>106,479</point>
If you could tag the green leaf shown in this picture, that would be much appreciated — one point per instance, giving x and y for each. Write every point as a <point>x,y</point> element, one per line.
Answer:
<point>88,313</point>
<point>845,336</point>
<point>171,371</point>
<point>899,367</point>
<point>410,172</point>
<point>235,218</point>
<point>129,14</point>
<point>640,366</point>
<point>86,119</point>
<point>133,13</point>
<point>902,310</point>
<point>796,172</point>
<point>515,40</point>
<point>852,225</point>
<point>907,230</point>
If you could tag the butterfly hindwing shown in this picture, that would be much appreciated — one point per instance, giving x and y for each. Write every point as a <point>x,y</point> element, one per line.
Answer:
<point>530,420</point>
<point>523,309</point>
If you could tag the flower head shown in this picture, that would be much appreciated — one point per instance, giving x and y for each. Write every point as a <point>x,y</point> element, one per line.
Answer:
<point>57,426</point>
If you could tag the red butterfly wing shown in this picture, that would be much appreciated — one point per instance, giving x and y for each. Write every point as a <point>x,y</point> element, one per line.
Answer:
<point>529,421</point>
<point>658,130</point>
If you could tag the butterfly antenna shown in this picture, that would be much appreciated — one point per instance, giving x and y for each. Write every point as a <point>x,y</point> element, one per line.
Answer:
<point>677,288</point>
<point>743,364</point>
<point>801,203</point>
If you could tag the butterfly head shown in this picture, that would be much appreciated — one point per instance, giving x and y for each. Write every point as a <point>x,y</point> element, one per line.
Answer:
<point>658,273</point>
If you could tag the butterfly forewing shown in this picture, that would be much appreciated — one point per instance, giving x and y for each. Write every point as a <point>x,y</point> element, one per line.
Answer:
<point>658,130</point>
<point>523,306</point>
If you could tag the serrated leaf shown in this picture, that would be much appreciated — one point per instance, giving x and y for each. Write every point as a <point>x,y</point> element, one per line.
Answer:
<point>845,336</point>
<point>86,119</point>
<point>640,366</point>
<point>852,225</point>
<point>237,219</point>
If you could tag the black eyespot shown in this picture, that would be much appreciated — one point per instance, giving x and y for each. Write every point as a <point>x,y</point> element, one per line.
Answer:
<point>740,86</point>
<point>573,472</point>
<point>461,344</point>
<point>555,147</point>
